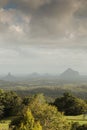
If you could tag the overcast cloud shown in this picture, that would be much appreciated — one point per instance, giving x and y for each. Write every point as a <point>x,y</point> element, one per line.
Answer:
<point>40,35</point>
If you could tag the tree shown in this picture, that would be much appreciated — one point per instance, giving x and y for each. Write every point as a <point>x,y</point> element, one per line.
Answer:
<point>70,104</point>
<point>11,103</point>
<point>48,115</point>
<point>25,122</point>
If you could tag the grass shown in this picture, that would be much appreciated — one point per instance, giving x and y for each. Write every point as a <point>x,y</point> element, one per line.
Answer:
<point>80,119</point>
<point>4,124</point>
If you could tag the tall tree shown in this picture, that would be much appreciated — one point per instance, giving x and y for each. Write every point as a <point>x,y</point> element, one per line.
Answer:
<point>25,122</point>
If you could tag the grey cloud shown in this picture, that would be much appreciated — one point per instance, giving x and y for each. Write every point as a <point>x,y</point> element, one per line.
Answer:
<point>30,5</point>
<point>3,3</point>
<point>49,19</point>
<point>13,27</point>
<point>59,17</point>
<point>81,12</point>
<point>54,19</point>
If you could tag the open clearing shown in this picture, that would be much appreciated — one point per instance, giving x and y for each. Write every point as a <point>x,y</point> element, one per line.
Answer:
<point>81,119</point>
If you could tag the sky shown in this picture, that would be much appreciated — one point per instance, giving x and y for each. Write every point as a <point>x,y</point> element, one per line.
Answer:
<point>44,36</point>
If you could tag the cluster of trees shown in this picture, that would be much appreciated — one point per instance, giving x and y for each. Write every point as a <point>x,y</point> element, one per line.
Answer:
<point>70,104</point>
<point>45,116</point>
<point>34,113</point>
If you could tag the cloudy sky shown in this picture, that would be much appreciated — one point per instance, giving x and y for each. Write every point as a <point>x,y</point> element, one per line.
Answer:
<point>44,36</point>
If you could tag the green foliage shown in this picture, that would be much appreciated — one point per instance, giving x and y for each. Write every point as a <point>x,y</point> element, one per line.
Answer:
<point>70,105</point>
<point>10,102</point>
<point>76,126</point>
<point>27,100</point>
<point>48,115</point>
<point>1,105</point>
<point>25,122</point>
<point>37,126</point>
<point>1,110</point>
<point>83,127</point>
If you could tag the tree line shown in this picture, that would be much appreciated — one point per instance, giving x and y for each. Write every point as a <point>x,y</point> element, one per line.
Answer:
<point>35,113</point>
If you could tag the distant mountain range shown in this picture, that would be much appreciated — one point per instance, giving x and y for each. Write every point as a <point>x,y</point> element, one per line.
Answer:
<point>68,75</point>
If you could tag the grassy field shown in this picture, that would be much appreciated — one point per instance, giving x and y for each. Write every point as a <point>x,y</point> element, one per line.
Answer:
<point>4,124</point>
<point>81,119</point>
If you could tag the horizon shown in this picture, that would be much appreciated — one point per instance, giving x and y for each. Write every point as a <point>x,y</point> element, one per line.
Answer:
<point>39,73</point>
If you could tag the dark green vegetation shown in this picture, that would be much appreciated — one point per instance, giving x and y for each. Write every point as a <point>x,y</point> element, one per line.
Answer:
<point>76,126</point>
<point>71,105</point>
<point>10,103</point>
<point>35,113</point>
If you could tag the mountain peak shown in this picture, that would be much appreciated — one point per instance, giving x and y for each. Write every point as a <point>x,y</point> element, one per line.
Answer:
<point>70,74</point>
<point>69,70</point>
<point>9,77</point>
<point>9,74</point>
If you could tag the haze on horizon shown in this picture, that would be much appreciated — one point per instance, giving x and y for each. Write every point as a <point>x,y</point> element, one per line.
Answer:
<point>44,36</point>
